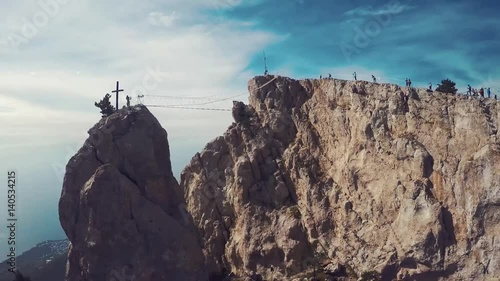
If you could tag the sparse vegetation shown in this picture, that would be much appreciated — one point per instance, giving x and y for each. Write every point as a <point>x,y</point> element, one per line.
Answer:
<point>105,106</point>
<point>295,212</point>
<point>370,276</point>
<point>447,86</point>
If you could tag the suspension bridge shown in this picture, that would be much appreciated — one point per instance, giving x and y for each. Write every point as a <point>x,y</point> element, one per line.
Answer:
<point>191,103</point>
<point>207,103</point>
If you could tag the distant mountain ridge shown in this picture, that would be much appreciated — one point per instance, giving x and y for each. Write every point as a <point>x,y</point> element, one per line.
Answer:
<point>46,261</point>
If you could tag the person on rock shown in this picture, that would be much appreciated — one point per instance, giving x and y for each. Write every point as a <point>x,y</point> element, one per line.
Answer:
<point>355,76</point>
<point>430,86</point>
<point>481,92</point>
<point>406,82</point>
<point>329,76</point>
<point>374,79</point>
<point>409,83</point>
<point>489,92</point>
<point>128,101</point>
<point>469,90</point>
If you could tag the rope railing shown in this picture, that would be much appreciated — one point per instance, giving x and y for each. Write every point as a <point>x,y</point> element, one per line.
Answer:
<point>200,103</point>
<point>194,105</point>
<point>190,108</point>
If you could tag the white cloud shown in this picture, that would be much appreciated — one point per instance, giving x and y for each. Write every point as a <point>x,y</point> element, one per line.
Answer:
<point>89,45</point>
<point>159,18</point>
<point>380,11</point>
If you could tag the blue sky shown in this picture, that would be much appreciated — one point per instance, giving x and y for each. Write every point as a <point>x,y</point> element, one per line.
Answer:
<point>425,40</point>
<point>59,56</point>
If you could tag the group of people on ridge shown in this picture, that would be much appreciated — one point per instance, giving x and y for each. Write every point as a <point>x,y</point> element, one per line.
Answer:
<point>470,91</point>
<point>329,76</point>
<point>355,75</point>
<point>408,82</point>
<point>475,92</point>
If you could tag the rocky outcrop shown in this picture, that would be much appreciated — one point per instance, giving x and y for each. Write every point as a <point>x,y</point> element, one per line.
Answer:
<point>326,178</point>
<point>123,210</point>
<point>352,177</point>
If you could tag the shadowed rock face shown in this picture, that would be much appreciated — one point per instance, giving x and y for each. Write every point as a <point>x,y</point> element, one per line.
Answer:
<point>123,210</point>
<point>370,177</point>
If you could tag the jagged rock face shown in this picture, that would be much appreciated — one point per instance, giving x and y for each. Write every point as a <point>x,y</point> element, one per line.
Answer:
<point>367,176</point>
<point>123,210</point>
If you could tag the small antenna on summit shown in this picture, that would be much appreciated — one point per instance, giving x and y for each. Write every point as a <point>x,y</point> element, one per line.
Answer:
<point>265,65</point>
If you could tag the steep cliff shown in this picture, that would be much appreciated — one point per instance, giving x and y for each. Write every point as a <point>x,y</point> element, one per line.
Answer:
<point>352,177</point>
<point>333,178</point>
<point>123,210</point>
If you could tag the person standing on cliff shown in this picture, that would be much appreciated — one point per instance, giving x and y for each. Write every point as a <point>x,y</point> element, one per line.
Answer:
<point>469,90</point>
<point>481,92</point>
<point>128,101</point>
<point>355,76</point>
<point>374,79</point>
<point>489,92</point>
<point>406,82</point>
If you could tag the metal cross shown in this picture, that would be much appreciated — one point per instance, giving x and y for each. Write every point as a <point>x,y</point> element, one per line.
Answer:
<point>118,90</point>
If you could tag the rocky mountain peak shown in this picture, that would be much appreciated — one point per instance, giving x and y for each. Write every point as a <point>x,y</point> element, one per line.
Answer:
<point>123,210</point>
<point>336,178</point>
